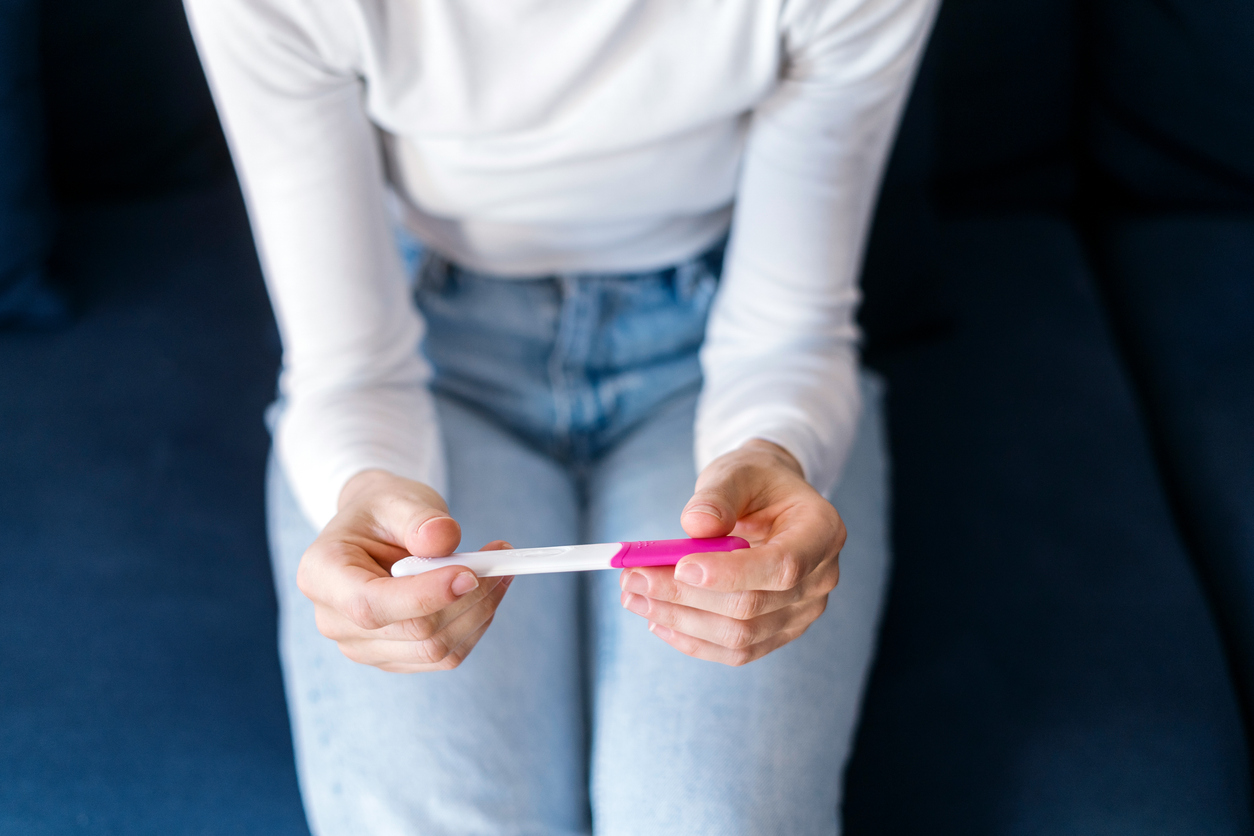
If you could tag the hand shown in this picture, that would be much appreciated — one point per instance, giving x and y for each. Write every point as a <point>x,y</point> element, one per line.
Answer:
<point>734,607</point>
<point>426,622</point>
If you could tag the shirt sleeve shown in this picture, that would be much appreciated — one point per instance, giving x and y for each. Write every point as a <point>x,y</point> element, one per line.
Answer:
<point>354,383</point>
<point>781,352</point>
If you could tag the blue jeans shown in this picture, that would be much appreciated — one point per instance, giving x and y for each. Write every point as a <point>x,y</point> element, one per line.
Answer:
<point>567,409</point>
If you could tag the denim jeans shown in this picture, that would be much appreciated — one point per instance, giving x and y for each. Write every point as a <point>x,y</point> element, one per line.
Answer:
<point>567,408</point>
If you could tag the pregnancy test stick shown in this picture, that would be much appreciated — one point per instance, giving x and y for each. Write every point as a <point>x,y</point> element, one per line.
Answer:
<point>570,558</point>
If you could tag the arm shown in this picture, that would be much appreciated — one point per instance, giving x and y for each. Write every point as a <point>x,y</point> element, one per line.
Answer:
<point>353,381</point>
<point>358,437</point>
<point>780,402</point>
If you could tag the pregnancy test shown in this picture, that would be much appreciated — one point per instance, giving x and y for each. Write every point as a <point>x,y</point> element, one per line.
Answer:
<point>570,558</point>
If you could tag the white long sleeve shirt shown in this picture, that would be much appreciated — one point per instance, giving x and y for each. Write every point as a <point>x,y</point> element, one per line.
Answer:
<point>533,137</point>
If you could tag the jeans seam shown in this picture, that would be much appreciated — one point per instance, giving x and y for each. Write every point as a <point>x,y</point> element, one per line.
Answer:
<point>559,377</point>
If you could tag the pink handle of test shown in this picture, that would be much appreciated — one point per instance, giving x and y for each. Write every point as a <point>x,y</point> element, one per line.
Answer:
<point>669,552</point>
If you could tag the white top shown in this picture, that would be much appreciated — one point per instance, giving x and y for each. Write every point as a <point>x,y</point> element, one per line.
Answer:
<point>530,137</point>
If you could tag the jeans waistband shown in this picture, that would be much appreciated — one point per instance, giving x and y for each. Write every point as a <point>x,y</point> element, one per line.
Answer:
<point>569,362</point>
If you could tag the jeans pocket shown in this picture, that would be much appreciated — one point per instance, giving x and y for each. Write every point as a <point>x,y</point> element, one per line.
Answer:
<point>411,251</point>
<point>433,274</point>
<point>697,280</point>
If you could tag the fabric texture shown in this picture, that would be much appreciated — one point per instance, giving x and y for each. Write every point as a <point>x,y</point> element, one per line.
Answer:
<point>1049,663</point>
<point>570,717</point>
<point>25,209</point>
<point>531,140</point>
<point>1171,104</point>
<point>1171,138</point>
<point>589,358</point>
<point>1181,294</point>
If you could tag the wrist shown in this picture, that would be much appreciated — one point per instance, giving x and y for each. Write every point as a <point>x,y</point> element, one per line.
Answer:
<point>775,454</point>
<point>362,484</point>
<point>367,487</point>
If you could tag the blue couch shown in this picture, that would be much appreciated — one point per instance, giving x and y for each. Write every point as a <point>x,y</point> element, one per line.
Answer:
<point>1059,291</point>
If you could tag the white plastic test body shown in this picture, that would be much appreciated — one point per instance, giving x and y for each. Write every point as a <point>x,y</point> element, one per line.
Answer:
<point>570,558</point>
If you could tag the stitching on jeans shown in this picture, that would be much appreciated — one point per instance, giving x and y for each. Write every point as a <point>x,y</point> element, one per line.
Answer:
<point>562,413</point>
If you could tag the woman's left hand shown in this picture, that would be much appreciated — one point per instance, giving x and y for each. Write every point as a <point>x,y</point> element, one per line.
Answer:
<point>734,607</point>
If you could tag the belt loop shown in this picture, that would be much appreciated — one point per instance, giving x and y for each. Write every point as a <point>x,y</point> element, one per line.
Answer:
<point>434,274</point>
<point>688,277</point>
<point>700,275</point>
<point>714,256</point>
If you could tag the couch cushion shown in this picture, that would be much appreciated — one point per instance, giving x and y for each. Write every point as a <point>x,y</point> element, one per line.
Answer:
<point>1048,663</point>
<point>989,122</point>
<point>129,113</point>
<point>25,218</point>
<point>1171,101</point>
<point>139,679</point>
<point>1181,293</point>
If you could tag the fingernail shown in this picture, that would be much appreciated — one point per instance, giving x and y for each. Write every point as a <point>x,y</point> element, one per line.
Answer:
<point>706,509</point>
<point>660,631</point>
<point>635,582</point>
<point>636,604</point>
<point>463,583</point>
<point>426,523</point>
<point>689,573</point>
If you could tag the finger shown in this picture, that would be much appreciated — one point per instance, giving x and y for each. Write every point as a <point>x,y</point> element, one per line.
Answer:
<point>425,627</point>
<point>719,629</point>
<point>452,618</point>
<point>459,653</point>
<point>659,584</point>
<point>432,651</point>
<point>339,627</point>
<point>448,663</point>
<point>804,540</point>
<point>721,494</point>
<point>701,649</point>
<point>403,513</point>
<point>456,631</point>
<point>344,577</point>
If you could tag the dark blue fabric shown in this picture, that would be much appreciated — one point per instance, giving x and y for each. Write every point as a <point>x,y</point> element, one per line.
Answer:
<point>989,127</point>
<point>1169,210</point>
<point>1181,292</point>
<point>1170,99</point>
<point>139,682</point>
<point>990,124</point>
<point>25,217</point>
<point>1002,75</point>
<point>128,110</point>
<point>1048,664</point>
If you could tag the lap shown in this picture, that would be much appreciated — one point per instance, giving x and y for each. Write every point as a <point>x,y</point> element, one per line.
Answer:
<point>500,739</point>
<point>681,745</point>
<point>499,745</point>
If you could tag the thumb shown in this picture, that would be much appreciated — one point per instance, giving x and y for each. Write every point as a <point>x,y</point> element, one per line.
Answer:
<point>432,533</point>
<point>406,513</point>
<point>715,505</point>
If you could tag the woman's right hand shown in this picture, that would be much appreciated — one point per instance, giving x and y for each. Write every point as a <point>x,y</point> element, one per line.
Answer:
<point>426,622</point>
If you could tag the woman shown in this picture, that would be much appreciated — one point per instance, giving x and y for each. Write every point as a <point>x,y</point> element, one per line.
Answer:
<point>589,182</point>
